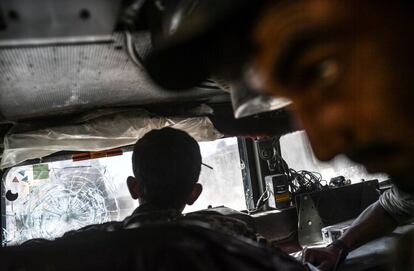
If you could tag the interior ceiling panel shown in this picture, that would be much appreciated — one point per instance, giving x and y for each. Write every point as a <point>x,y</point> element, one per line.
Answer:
<point>38,21</point>
<point>44,80</point>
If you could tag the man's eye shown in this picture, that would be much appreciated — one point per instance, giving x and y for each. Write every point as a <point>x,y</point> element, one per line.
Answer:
<point>329,71</point>
<point>320,74</point>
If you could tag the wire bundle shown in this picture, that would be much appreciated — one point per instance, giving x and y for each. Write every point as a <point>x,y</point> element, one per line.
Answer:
<point>305,181</point>
<point>299,181</point>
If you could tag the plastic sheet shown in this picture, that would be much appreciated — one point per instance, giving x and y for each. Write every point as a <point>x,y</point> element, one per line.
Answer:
<point>102,132</point>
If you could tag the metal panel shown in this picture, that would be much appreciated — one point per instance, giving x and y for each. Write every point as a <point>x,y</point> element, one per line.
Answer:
<point>251,183</point>
<point>39,81</point>
<point>39,21</point>
<point>310,223</point>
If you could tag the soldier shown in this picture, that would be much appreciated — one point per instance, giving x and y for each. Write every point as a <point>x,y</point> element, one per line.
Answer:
<point>346,65</point>
<point>166,165</point>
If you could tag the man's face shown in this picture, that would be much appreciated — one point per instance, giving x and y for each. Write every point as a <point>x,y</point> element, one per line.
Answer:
<point>346,67</point>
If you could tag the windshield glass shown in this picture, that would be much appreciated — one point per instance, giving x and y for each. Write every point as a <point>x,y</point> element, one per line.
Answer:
<point>297,152</point>
<point>47,200</point>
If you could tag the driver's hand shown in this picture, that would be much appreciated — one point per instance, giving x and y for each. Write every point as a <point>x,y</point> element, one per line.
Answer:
<point>326,259</point>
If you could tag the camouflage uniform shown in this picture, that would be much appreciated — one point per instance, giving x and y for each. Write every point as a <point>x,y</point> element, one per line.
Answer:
<point>225,224</point>
<point>147,214</point>
<point>143,215</point>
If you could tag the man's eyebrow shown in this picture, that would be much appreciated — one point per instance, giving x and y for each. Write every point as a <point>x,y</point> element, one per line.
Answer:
<point>296,47</point>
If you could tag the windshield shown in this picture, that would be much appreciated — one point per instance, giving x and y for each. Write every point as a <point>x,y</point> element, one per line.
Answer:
<point>47,200</point>
<point>297,152</point>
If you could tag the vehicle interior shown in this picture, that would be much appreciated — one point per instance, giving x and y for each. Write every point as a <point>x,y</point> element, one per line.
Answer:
<point>74,98</point>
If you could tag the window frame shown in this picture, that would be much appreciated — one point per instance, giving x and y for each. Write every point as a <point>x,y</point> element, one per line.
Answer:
<point>250,172</point>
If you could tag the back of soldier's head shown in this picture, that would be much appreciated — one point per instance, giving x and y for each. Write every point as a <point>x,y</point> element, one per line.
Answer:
<point>166,164</point>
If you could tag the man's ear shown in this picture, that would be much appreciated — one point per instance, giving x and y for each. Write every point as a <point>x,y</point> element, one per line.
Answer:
<point>134,188</point>
<point>195,193</point>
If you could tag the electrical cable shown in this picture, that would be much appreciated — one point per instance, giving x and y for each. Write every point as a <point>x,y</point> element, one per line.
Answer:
<point>299,181</point>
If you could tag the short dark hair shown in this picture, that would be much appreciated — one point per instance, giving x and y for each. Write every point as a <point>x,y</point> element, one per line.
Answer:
<point>166,163</point>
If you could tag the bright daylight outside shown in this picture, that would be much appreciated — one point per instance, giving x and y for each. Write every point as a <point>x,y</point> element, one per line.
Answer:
<point>46,200</point>
<point>297,152</point>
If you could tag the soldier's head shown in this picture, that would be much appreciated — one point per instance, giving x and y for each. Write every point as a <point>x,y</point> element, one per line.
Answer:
<point>347,65</point>
<point>166,164</point>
